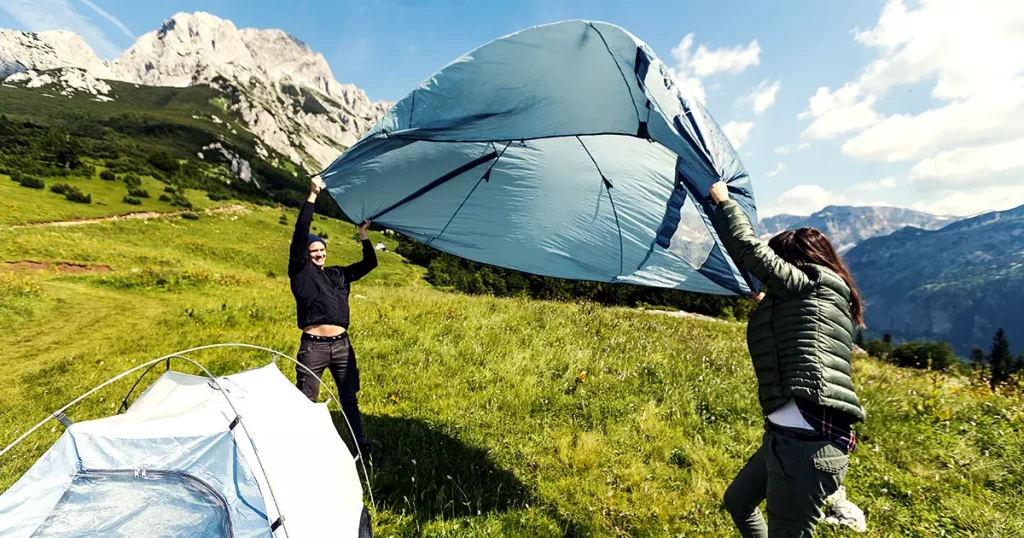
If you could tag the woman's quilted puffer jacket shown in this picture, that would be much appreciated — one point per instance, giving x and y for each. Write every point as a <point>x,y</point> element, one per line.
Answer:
<point>801,334</point>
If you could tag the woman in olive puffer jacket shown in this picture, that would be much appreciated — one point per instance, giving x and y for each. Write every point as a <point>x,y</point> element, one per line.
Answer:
<point>800,339</point>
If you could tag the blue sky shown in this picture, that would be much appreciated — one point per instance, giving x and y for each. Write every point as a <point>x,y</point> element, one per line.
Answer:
<point>913,103</point>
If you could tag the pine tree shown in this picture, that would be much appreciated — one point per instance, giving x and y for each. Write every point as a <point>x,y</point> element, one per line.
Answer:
<point>859,338</point>
<point>887,345</point>
<point>1000,358</point>
<point>978,358</point>
<point>1018,367</point>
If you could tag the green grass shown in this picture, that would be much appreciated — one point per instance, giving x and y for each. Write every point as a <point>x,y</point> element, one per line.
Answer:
<point>492,417</point>
<point>20,205</point>
<point>174,106</point>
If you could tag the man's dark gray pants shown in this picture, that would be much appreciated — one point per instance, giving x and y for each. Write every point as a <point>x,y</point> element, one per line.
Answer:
<point>334,354</point>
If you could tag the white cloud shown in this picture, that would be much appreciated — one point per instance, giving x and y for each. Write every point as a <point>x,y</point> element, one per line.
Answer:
<point>838,112</point>
<point>968,46</point>
<point>762,97</point>
<point>995,163</point>
<point>790,148</point>
<point>733,60</point>
<point>690,84</point>
<point>884,183</point>
<point>738,132</point>
<point>114,20</point>
<point>996,114</point>
<point>779,167</point>
<point>974,201</point>
<point>40,15</point>
<point>691,69</point>
<point>971,56</point>
<point>806,199</point>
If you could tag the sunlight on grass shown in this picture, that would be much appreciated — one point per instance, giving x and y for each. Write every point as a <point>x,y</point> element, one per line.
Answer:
<point>491,417</point>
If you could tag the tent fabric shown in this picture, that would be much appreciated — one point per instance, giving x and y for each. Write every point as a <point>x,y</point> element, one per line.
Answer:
<point>175,445</point>
<point>159,504</point>
<point>208,458</point>
<point>565,150</point>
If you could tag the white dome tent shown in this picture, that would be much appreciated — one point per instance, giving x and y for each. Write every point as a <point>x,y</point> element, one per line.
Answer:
<point>242,455</point>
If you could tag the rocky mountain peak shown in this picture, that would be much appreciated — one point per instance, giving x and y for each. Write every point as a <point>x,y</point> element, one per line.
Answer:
<point>42,51</point>
<point>847,226</point>
<point>281,89</point>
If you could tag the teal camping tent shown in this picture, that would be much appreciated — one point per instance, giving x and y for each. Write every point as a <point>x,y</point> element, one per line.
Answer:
<point>565,150</point>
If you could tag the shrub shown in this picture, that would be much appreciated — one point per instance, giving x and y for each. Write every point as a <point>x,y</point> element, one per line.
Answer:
<point>60,188</point>
<point>934,355</point>
<point>217,196</point>
<point>78,196</point>
<point>131,200</point>
<point>32,182</point>
<point>164,198</point>
<point>132,180</point>
<point>189,215</point>
<point>138,193</point>
<point>16,176</point>
<point>170,189</point>
<point>107,175</point>
<point>71,193</point>
<point>878,349</point>
<point>179,200</point>
<point>444,270</point>
<point>164,161</point>
<point>283,220</point>
<point>85,171</point>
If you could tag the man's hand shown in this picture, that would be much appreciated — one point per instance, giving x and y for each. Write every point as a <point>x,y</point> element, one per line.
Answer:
<point>362,229</point>
<point>719,192</point>
<point>316,184</point>
<point>757,296</point>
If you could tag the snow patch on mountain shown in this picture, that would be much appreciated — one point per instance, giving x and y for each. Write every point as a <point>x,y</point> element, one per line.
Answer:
<point>66,81</point>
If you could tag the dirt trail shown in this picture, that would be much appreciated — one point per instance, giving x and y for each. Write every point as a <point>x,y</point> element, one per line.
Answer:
<point>60,267</point>
<point>142,215</point>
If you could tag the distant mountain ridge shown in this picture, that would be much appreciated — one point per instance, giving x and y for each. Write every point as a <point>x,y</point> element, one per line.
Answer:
<point>846,226</point>
<point>284,92</point>
<point>959,283</point>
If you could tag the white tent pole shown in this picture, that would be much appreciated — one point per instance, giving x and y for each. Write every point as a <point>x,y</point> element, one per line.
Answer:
<point>76,400</point>
<point>352,433</point>
<point>216,385</point>
<point>122,375</point>
<point>180,355</point>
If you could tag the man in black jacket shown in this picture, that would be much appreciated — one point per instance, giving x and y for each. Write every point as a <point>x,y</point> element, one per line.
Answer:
<point>321,304</point>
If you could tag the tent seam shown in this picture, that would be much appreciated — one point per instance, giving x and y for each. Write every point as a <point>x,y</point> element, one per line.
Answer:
<point>486,174</point>
<point>623,75</point>
<point>608,189</point>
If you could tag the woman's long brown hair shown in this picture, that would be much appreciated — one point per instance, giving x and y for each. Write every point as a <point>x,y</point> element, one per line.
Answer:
<point>808,245</point>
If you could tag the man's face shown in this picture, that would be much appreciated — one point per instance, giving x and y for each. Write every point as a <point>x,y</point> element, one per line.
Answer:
<point>318,254</point>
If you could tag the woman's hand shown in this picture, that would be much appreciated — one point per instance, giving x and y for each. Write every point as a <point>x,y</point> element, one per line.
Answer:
<point>719,192</point>
<point>362,229</point>
<point>757,296</point>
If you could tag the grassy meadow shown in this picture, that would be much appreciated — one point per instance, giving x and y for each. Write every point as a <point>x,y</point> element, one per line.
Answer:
<point>490,417</point>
